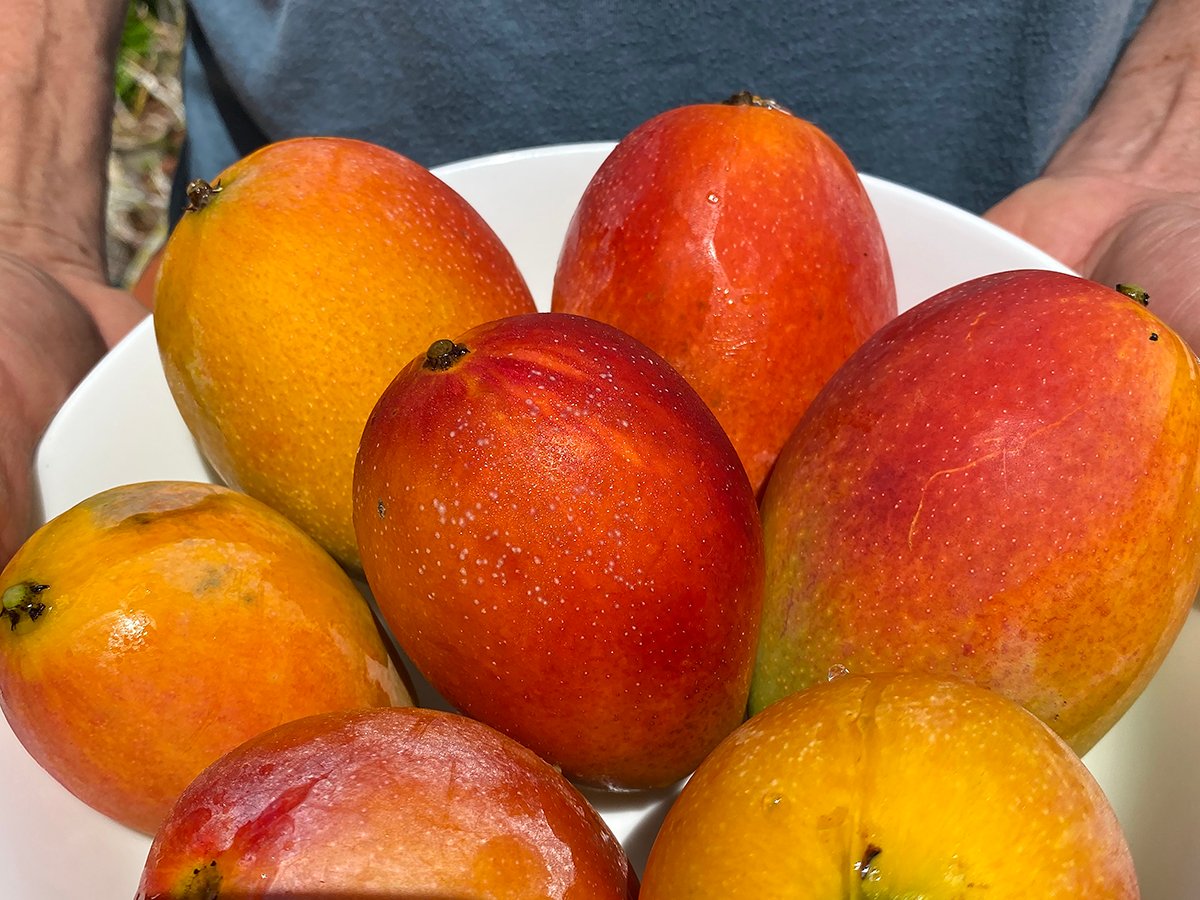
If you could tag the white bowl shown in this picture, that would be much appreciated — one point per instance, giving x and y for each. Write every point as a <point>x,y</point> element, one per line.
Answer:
<point>121,426</point>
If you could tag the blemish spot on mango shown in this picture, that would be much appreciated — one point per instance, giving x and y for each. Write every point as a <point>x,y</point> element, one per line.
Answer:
<point>865,865</point>
<point>211,578</point>
<point>155,504</point>
<point>836,818</point>
<point>837,670</point>
<point>202,883</point>
<point>771,801</point>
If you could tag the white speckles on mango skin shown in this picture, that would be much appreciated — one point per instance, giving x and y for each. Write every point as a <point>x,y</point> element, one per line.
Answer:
<point>587,579</point>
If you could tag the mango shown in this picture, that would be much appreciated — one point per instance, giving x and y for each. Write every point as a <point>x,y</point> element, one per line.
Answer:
<point>887,786</point>
<point>562,539</point>
<point>293,289</point>
<point>737,241</point>
<point>155,626</point>
<point>384,803</point>
<point>1002,485</point>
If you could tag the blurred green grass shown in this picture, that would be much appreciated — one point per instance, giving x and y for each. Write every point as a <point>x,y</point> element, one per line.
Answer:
<point>148,128</point>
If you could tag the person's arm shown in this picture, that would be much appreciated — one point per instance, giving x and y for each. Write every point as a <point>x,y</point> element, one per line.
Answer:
<point>1120,200</point>
<point>57,313</point>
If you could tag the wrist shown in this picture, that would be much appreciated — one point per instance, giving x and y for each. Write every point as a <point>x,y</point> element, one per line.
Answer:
<point>48,342</point>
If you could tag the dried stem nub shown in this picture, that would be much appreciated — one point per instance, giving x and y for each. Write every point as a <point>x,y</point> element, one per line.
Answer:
<point>442,354</point>
<point>1134,292</point>
<point>200,193</point>
<point>21,599</point>
<point>748,98</point>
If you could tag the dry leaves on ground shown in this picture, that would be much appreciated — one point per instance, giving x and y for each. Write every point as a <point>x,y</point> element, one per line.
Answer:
<point>148,127</point>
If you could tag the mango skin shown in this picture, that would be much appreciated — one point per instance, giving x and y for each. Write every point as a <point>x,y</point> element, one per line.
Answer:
<point>385,802</point>
<point>180,619</point>
<point>738,242</point>
<point>1002,486</point>
<point>563,541</point>
<point>286,304</point>
<point>890,786</point>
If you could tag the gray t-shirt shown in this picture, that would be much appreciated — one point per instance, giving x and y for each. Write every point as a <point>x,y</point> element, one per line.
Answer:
<point>962,100</point>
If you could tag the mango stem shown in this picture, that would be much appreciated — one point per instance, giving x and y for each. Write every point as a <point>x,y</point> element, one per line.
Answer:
<point>200,193</point>
<point>21,599</point>
<point>747,98</point>
<point>442,354</point>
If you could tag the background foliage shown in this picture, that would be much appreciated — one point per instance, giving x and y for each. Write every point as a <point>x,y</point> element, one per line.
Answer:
<point>148,127</point>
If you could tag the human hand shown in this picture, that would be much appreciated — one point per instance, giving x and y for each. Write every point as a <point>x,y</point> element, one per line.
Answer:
<point>1120,200</point>
<point>58,315</point>
<point>1114,231</point>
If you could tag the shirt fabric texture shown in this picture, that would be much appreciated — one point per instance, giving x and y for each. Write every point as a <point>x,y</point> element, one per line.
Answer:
<point>964,101</point>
